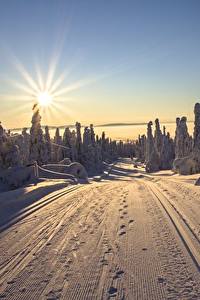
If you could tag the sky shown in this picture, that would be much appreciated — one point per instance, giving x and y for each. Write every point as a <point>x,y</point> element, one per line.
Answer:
<point>106,61</point>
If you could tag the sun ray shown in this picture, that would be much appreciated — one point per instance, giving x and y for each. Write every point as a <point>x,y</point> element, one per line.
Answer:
<point>12,97</point>
<point>57,83</point>
<point>39,78</point>
<point>49,116</point>
<point>19,109</point>
<point>24,73</point>
<point>74,86</point>
<point>52,70</point>
<point>63,99</point>
<point>29,80</point>
<point>59,108</point>
<point>22,87</point>
<point>45,112</point>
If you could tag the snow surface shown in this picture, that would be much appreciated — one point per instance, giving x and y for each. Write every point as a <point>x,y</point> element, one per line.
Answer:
<point>107,239</point>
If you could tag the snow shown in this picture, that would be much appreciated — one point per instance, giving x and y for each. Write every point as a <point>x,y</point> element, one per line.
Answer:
<point>107,239</point>
<point>14,202</point>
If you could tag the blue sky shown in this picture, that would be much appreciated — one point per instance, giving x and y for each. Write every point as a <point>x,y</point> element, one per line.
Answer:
<point>142,58</point>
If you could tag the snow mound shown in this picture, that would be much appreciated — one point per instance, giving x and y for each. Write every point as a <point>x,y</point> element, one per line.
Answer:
<point>16,177</point>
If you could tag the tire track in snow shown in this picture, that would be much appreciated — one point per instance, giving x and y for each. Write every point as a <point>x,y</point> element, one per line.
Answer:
<point>21,261</point>
<point>181,277</point>
<point>184,229</point>
<point>186,200</point>
<point>27,281</point>
<point>35,207</point>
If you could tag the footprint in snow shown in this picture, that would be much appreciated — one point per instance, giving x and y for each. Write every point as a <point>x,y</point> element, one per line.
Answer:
<point>109,251</point>
<point>131,221</point>
<point>122,233</point>
<point>51,296</point>
<point>112,291</point>
<point>104,262</point>
<point>118,274</point>
<point>161,279</point>
<point>10,282</point>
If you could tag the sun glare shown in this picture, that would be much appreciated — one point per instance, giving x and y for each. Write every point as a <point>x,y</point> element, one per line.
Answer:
<point>50,93</point>
<point>44,99</point>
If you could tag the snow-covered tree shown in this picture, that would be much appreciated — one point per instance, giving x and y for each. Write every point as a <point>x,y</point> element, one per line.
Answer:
<point>37,142</point>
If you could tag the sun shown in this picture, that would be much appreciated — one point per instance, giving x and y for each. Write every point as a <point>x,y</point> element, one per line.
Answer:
<point>44,99</point>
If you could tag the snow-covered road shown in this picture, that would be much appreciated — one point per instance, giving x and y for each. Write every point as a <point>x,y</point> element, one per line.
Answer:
<point>104,240</point>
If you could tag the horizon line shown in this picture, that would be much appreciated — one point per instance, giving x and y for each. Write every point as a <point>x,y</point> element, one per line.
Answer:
<point>99,125</point>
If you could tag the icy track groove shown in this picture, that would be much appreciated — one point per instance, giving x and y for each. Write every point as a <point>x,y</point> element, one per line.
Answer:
<point>108,240</point>
<point>184,229</point>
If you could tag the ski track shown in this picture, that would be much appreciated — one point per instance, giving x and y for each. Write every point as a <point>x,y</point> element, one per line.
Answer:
<point>186,199</point>
<point>107,240</point>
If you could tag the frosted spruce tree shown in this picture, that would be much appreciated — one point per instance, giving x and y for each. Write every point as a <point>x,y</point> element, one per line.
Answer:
<point>152,156</point>
<point>158,137</point>
<point>38,150</point>
<point>92,134</point>
<point>10,155</point>
<point>196,141</point>
<point>67,142</point>
<point>59,152</point>
<point>79,145</point>
<point>74,153</point>
<point>48,144</point>
<point>25,149</point>
<point>197,127</point>
<point>183,145</point>
<point>188,158</point>
<point>167,153</point>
